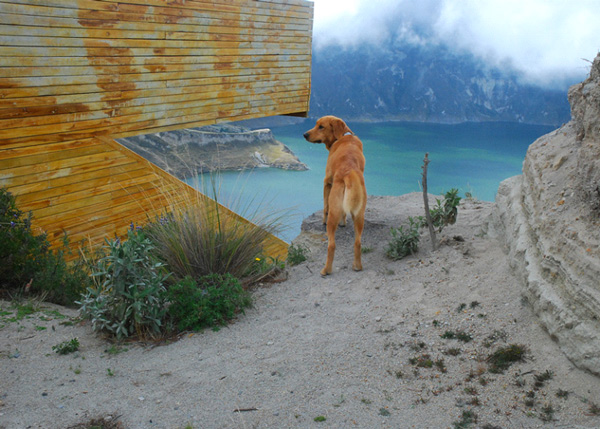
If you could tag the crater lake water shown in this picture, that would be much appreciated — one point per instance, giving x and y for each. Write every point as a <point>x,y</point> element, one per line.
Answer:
<point>473,157</point>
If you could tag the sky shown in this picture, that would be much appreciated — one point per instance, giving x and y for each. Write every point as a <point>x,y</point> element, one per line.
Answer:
<point>547,41</point>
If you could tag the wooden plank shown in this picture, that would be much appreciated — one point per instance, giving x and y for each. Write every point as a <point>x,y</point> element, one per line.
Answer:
<point>187,31</point>
<point>148,60</point>
<point>69,103</point>
<point>98,184</point>
<point>216,34</point>
<point>34,161</point>
<point>120,125</point>
<point>102,175</point>
<point>11,180</point>
<point>30,117</point>
<point>103,18</point>
<point>119,45</point>
<point>135,78</point>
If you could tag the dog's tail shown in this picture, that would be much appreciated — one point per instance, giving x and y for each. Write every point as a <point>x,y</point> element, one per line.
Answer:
<point>355,194</point>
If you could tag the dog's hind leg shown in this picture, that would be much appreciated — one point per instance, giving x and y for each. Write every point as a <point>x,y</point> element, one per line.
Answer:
<point>336,211</point>
<point>326,192</point>
<point>359,222</point>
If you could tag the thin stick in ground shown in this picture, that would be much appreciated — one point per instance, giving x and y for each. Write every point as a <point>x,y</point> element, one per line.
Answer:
<point>426,201</point>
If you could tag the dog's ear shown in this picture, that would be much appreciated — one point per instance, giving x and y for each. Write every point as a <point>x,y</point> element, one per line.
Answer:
<point>339,128</point>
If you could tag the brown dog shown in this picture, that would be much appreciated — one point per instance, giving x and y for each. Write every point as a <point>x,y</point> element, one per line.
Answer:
<point>344,185</point>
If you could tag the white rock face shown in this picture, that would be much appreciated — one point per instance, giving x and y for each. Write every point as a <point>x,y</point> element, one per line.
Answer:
<point>549,218</point>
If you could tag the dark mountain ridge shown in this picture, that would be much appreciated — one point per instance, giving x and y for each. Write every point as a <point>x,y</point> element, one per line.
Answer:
<point>429,83</point>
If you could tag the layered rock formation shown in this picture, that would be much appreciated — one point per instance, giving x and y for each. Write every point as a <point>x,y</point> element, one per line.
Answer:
<point>188,152</point>
<point>549,218</point>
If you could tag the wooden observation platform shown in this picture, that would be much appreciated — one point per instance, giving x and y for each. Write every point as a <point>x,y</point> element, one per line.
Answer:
<point>77,74</point>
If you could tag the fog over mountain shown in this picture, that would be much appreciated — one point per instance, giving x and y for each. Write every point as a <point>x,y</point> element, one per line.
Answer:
<point>451,60</point>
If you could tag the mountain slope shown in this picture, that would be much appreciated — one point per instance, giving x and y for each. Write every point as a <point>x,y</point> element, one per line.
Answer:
<point>425,83</point>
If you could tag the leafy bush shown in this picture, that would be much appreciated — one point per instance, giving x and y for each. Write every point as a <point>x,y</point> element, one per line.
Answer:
<point>404,242</point>
<point>445,211</point>
<point>296,254</point>
<point>66,347</point>
<point>28,262</point>
<point>130,296</point>
<point>210,302</point>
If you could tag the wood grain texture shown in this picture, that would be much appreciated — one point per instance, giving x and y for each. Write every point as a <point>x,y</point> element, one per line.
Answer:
<point>77,74</point>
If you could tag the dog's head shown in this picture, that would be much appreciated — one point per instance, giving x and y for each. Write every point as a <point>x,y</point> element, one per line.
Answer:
<point>328,130</point>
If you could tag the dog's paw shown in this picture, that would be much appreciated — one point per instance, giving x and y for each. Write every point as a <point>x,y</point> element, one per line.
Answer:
<point>356,267</point>
<point>324,272</point>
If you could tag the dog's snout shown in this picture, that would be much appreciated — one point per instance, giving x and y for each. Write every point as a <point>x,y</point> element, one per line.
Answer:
<point>306,135</point>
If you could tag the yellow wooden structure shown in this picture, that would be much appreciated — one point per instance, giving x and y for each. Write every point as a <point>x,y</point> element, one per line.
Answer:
<point>76,74</point>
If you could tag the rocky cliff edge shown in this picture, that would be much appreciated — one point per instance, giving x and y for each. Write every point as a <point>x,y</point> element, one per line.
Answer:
<point>549,219</point>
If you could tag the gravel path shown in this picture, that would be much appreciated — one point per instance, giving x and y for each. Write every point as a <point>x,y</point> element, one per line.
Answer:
<point>360,350</point>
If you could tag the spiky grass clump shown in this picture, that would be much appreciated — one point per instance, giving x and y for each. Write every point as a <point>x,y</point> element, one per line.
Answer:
<point>202,237</point>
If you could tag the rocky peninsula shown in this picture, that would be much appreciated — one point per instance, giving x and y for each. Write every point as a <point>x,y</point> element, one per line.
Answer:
<point>188,152</point>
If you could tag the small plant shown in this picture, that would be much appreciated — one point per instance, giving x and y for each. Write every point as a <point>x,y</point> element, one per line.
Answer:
<point>296,254</point>
<point>441,365</point>
<point>460,335</point>
<point>471,390</point>
<point>115,350</point>
<point>210,302</point>
<point>320,419</point>
<point>422,361</point>
<point>540,379</point>
<point>263,269</point>
<point>366,401</point>
<point>384,412</point>
<point>404,242</point>
<point>564,394</point>
<point>594,409</point>
<point>66,347</point>
<point>130,300</point>
<point>446,210</point>
<point>110,372</point>
<point>547,414</point>
<point>504,357</point>
<point>454,351</point>
<point>468,418</point>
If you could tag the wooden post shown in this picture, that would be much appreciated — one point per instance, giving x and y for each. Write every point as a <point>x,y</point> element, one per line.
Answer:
<point>426,201</point>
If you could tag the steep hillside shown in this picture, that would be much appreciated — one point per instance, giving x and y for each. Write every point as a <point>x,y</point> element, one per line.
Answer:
<point>550,220</point>
<point>430,84</point>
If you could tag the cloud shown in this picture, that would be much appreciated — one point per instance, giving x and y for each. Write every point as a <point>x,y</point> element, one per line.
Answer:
<point>545,40</point>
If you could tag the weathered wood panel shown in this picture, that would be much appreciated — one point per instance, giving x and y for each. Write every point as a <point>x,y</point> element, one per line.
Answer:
<point>76,74</point>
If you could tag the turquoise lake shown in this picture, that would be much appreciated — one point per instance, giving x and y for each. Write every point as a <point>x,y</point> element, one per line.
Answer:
<point>473,157</point>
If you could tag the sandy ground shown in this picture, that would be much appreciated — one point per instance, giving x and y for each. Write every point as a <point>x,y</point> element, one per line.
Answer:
<point>343,349</point>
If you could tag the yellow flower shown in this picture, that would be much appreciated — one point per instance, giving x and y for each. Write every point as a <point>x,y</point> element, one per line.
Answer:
<point>257,259</point>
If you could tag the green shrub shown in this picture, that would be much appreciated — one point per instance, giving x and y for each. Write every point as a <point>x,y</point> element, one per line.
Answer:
<point>66,347</point>
<point>504,357</point>
<point>404,242</point>
<point>209,302</point>
<point>27,259</point>
<point>296,254</point>
<point>130,296</point>
<point>445,211</point>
